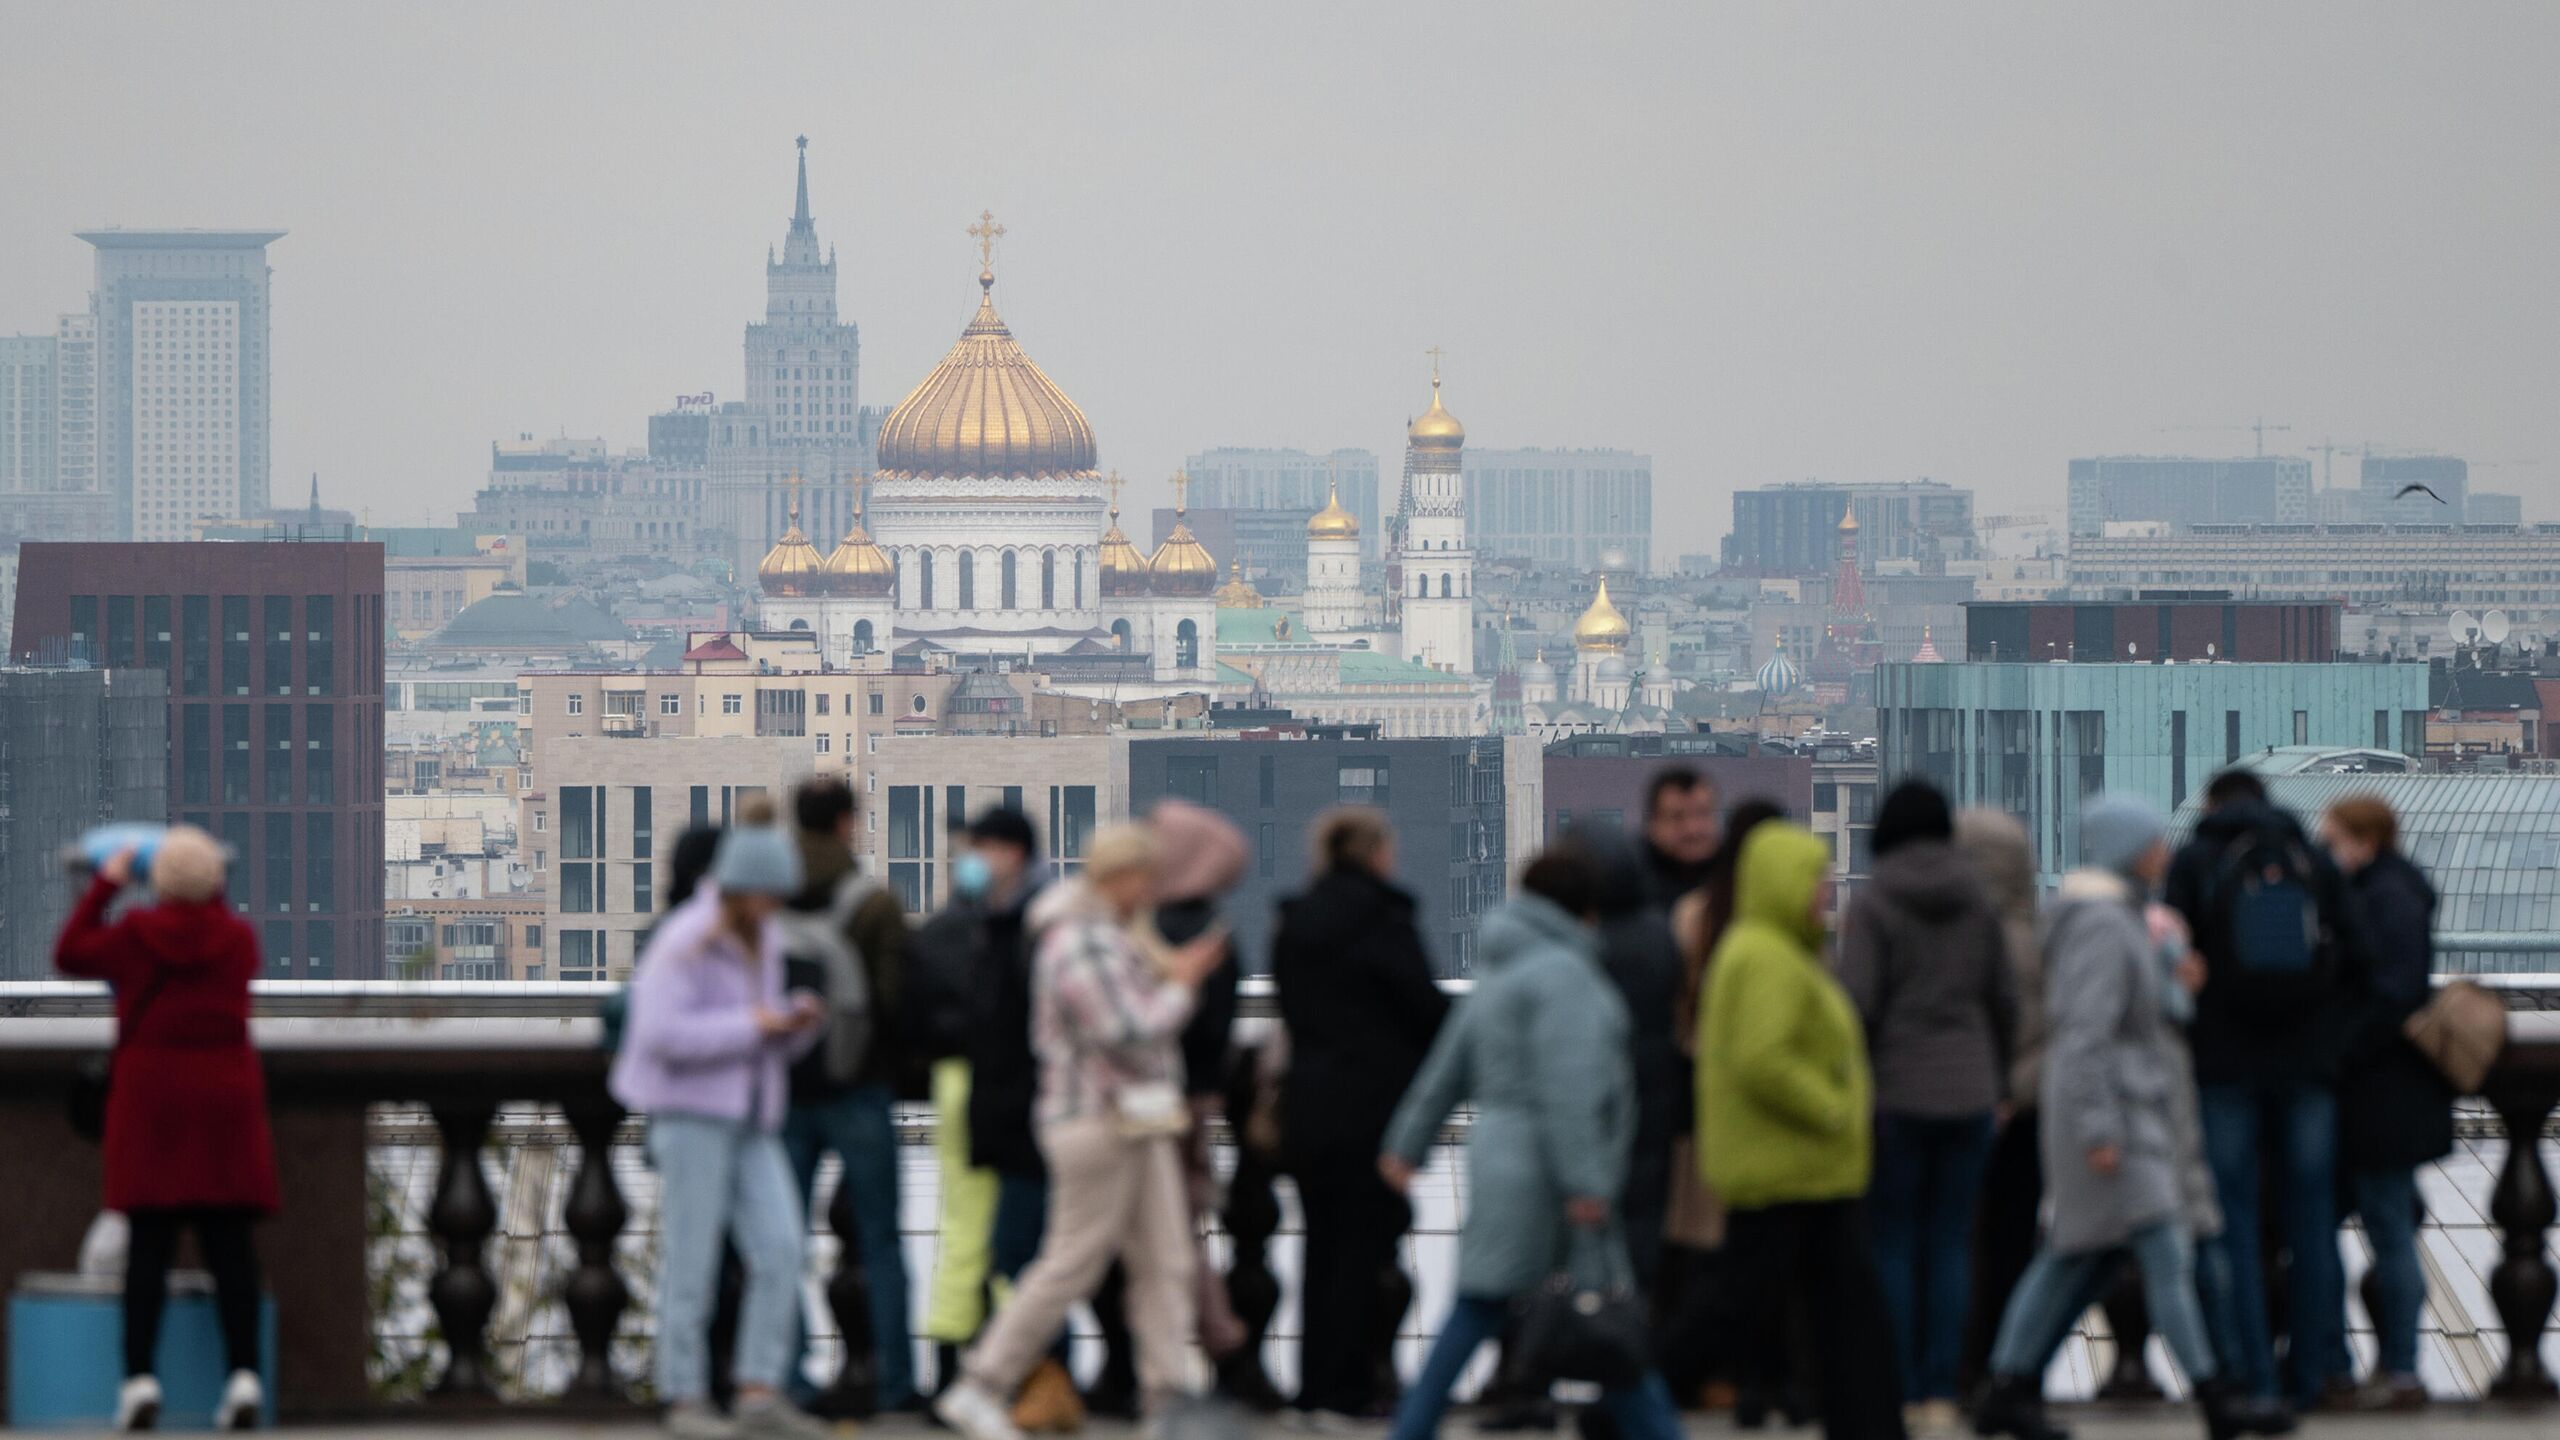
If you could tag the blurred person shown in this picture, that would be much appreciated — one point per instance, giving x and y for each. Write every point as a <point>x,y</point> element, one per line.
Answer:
<point>1109,1005</point>
<point>1540,1049</point>
<point>2395,1109</point>
<point>1785,1105</point>
<point>1361,1010</point>
<point>1923,958</point>
<point>1642,959</point>
<point>841,914</point>
<point>2122,1147</point>
<point>1680,831</point>
<point>2012,1196</point>
<point>707,1059</point>
<point>186,1144</point>
<point>2286,975</point>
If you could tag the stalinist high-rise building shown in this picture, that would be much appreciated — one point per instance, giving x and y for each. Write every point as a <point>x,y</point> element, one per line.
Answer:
<point>802,415</point>
<point>1437,603</point>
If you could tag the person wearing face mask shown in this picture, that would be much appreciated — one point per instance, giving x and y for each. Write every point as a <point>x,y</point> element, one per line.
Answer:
<point>1110,1000</point>
<point>2123,1147</point>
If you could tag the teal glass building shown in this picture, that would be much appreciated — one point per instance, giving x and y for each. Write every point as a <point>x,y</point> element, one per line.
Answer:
<point>2038,740</point>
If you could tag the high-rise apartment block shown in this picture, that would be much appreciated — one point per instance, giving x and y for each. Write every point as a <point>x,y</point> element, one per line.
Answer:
<point>1794,529</point>
<point>1582,509</point>
<point>2180,491</point>
<point>79,746</point>
<point>1290,485</point>
<point>182,375</point>
<point>274,714</point>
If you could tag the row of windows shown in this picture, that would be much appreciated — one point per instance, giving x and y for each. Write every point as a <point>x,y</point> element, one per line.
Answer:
<point>289,852</point>
<point>129,629</point>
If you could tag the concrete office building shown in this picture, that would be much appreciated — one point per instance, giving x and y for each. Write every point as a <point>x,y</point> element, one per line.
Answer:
<point>2425,569</point>
<point>2381,478</point>
<point>78,747</point>
<point>2152,629</point>
<point>182,367</point>
<point>274,657</point>
<point>2486,508</point>
<point>1794,529</point>
<point>916,789</point>
<point>1601,779</point>
<point>1289,485</point>
<point>2181,491</point>
<point>1466,814</point>
<point>30,403</point>
<point>1582,509</point>
<point>2037,740</point>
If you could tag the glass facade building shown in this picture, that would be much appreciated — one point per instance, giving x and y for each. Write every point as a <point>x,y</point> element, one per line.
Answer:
<point>2038,740</point>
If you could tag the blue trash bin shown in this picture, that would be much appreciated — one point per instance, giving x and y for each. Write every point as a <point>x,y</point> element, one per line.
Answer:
<point>66,1352</point>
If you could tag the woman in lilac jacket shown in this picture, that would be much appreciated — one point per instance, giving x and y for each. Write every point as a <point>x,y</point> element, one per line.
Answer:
<point>710,1039</point>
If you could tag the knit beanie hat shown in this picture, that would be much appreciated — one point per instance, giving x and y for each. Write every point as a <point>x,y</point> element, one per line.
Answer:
<point>2118,830</point>
<point>756,860</point>
<point>1913,810</point>
<point>188,864</point>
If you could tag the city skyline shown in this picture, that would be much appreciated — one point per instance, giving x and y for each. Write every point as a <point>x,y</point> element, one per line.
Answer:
<point>1856,247</point>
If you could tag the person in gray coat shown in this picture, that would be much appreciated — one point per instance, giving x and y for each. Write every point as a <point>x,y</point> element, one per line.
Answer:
<point>2122,1150</point>
<point>1541,1049</point>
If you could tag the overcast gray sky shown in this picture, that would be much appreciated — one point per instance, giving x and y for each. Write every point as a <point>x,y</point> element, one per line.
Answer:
<point>1853,242</point>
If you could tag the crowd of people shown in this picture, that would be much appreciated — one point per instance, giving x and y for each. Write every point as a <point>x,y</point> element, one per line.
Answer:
<point>1868,1178</point>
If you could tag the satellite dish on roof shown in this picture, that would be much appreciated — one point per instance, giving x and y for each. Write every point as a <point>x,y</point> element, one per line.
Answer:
<point>2465,629</point>
<point>2495,628</point>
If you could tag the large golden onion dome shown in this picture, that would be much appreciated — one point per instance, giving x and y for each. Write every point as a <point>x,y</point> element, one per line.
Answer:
<point>1333,522</point>
<point>1124,570</point>
<point>1236,594</point>
<point>986,410</point>
<point>1181,565</point>
<point>792,566</point>
<point>1602,627</point>
<point>858,566</point>
<point>1437,429</point>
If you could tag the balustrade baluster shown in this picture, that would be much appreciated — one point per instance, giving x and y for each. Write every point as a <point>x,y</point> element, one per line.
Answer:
<point>462,1219</point>
<point>595,1215</point>
<point>855,1392</point>
<point>2523,1285</point>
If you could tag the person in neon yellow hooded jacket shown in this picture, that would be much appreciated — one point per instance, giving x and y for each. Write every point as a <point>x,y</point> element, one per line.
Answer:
<point>1784,1097</point>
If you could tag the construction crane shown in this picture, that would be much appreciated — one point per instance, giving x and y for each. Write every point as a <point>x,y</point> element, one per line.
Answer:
<point>2259,428</point>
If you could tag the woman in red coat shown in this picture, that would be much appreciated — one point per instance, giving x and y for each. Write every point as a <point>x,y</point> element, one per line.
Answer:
<point>186,1133</point>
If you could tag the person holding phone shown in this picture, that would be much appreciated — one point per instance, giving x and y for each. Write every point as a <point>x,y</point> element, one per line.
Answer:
<point>711,1038</point>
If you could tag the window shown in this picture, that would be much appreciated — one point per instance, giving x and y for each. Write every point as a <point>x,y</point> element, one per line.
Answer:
<point>577,703</point>
<point>195,754</point>
<point>2230,737</point>
<point>1186,645</point>
<point>195,644</point>
<point>579,954</point>
<point>2301,727</point>
<point>1193,778</point>
<point>279,637</point>
<point>319,862</point>
<point>279,863</point>
<point>235,754</point>
<point>1048,580</point>
<point>822,702</point>
<point>1268,790</point>
<point>533,937</point>
<point>671,704</point>
<point>1071,819</point>
<point>235,644</point>
<point>279,749</point>
<point>1361,782</point>
<point>1005,581</point>
<point>733,705</point>
<point>640,823</point>
<point>1826,798</point>
<point>924,580</point>
<point>822,743</point>
<point>524,702</point>
<point>577,889</point>
<point>879,703</point>
<point>582,816</point>
<point>1266,850</point>
<point>643,894</point>
<point>968,567</point>
<point>235,836</point>
<point>119,650</point>
<point>319,644</point>
<point>911,844</point>
<point>2177,755</point>
<point>699,809</point>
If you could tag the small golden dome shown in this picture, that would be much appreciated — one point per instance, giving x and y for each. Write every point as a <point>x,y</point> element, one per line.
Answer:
<point>1236,594</point>
<point>792,567</point>
<point>1333,522</point>
<point>858,566</point>
<point>1849,522</point>
<point>1181,565</point>
<point>986,411</point>
<point>1602,627</point>
<point>1437,429</point>
<point>1124,570</point>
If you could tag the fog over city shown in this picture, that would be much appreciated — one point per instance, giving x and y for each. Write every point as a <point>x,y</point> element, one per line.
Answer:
<point>1764,244</point>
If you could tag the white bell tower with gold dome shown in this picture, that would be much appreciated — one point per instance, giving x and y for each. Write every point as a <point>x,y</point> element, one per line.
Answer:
<point>1437,603</point>
<point>1333,605</point>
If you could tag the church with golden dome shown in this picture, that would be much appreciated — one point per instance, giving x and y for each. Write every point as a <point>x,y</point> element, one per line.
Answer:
<point>987,530</point>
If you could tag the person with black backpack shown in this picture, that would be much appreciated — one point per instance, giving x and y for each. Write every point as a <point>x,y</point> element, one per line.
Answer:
<point>844,940</point>
<point>2286,972</point>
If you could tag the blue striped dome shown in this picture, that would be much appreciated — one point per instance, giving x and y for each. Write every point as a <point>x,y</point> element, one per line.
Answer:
<point>1779,673</point>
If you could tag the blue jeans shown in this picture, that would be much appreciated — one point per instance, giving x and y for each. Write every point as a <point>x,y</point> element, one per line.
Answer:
<point>2304,1121</point>
<point>2058,1289</point>
<point>716,1179</point>
<point>1643,1412</point>
<point>861,1128</point>
<point>2388,1201</point>
<point>1928,1174</point>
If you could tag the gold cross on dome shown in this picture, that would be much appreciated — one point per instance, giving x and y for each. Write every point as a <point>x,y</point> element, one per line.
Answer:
<point>1434,352</point>
<point>986,232</point>
<point>1181,487</point>
<point>1114,484</point>
<point>793,480</point>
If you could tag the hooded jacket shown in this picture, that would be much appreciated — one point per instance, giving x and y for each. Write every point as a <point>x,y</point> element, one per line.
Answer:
<point>1361,1009</point>
<point>1924,960</point>
<point>2233,1042</point>
<point>1541,1048</point>
<point>2394,1108</point>
<point>1997,845</point>
<point>187,1112</point>
<point>1784,1094</point>
<point>693,1047</point>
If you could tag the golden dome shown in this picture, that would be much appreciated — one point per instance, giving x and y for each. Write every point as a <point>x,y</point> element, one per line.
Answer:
<point>1124,570</point>
<point>986,410</point>
<point>1849,522</point>
<point>1181,565</point>
<point>1333,522</point>
<point>858,566</point>
<point>1437,429</point>
<point>1236,594</point>
<point>792,566</point>
<point>1601,627</point>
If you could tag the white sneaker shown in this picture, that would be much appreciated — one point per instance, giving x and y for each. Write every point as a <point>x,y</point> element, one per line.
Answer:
<point>138,1404</point>
<point>968,1408</point>
<point>244,1403</point>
